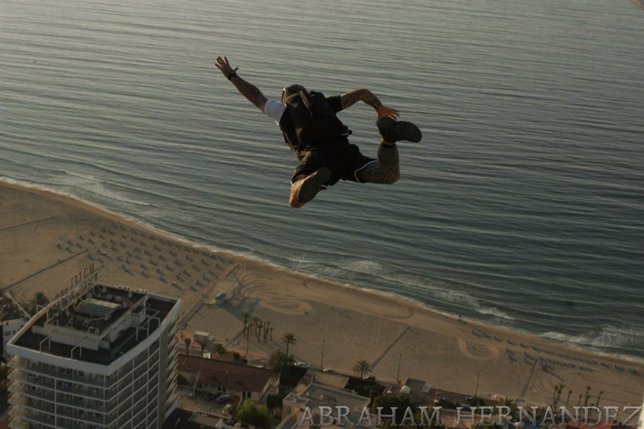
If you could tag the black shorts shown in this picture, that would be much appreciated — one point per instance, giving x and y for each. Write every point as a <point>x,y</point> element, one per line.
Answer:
<point>344,161</point>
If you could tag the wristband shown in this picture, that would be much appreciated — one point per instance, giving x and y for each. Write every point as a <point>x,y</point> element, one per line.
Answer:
<point>232,74</point>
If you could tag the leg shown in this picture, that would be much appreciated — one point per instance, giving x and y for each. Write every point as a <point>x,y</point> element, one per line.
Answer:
<point>308,179</point>
<point>385,170</point>
<point>304,189</point>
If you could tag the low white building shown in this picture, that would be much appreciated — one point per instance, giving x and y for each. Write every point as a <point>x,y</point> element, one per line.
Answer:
<point>304,408</point>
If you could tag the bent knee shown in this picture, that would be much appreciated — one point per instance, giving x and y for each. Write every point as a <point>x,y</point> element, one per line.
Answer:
<point>392,178</point>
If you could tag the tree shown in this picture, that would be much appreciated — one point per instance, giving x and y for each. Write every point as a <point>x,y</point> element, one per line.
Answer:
<point>556,394</point>
<point>279,360</point>
<point>246,319</point>
<point>252,415</point>
<point>256,321</point>
<point>187,340</point>
<point>511,403</point>
<point>219,349</point>
<point>601,392</point>
<point>38,301</point>
<point>362,368</point>
<point>267,327</point>
<point>388,402</point>
<point>289,339</point>
<point>260,325</point>
<point>365,386</point>
<point>587,396</point>
<point>568,398</point>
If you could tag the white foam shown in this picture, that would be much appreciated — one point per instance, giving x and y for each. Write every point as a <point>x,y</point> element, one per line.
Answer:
<point>362,266</point>
<point>493,311</point>
<point>610,336</point>
<point>94,185</point>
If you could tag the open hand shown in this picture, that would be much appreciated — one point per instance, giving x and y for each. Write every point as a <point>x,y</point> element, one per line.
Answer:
<point>387,112</point>
<point>223,65</point>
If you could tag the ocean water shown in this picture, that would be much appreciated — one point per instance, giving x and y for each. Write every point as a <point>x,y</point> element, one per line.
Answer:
<point>523,205</point>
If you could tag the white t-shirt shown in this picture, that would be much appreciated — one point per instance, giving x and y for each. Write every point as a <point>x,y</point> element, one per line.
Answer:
<point>274,109</point>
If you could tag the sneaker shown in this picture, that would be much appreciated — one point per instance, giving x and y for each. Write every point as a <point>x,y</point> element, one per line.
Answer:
<point>311,184</point>
<point>393,131</point>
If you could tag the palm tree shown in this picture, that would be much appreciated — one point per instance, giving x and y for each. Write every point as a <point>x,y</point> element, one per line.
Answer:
<point>187,340</point>
<point>267,327</point>
<point>508,402</point>
<point>601,392</point>
<point>568,398</point>
<point>255,324</point>
<point>556,395</point>
<point>289,339</point>
<point>37,302</point>
<point>579,401</point>
<point>260,325</point>
<point>362,368</point>
<point>41,299</point>
<point>587,396</point>
<point>246,318</point>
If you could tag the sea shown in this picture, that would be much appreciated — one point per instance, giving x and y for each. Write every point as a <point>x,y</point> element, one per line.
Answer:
<point>523,205</point>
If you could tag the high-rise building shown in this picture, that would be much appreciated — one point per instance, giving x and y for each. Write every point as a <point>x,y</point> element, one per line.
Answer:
<point>98,357</point>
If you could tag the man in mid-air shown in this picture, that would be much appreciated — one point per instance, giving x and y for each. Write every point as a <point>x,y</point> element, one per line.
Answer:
<point>319,139</point>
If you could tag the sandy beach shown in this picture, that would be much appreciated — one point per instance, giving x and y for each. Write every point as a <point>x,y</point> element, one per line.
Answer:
<point>47,238</point>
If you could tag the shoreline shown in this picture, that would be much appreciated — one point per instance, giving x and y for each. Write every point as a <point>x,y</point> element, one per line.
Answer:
<point>101,210</point>
<point>310,306</point>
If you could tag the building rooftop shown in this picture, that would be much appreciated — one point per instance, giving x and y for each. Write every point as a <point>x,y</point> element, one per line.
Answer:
<point>418,386</point>
<point>229,374</point>
<point>314,395</point>
<point>96,324</point>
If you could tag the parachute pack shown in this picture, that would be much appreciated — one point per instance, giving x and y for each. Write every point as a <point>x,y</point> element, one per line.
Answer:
<point>314,121</point>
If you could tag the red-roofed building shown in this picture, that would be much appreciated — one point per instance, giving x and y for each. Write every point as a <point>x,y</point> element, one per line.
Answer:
<point>236,379</point>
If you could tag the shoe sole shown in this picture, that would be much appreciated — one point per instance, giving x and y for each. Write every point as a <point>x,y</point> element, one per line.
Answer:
<point>312,185</point>
<point>402,130</point>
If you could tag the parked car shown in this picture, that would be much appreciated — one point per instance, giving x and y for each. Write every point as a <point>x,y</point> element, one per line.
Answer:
<point>224,398</point>
<point>442,402</point>
<point>213,395</point>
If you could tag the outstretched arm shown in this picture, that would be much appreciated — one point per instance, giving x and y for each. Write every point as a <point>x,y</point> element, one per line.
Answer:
<point>350,98</point>
<point>248,90</point>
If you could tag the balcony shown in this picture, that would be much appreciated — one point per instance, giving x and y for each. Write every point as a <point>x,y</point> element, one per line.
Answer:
<point>83,415</point>
<point>35,418</point>
<point>39,380</point>
<point>84,402</point>
<point>51,371</point>
<point>41,406</point>
<point>140,371</point>
<point>81,390</point>
<point>33,391</point>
